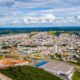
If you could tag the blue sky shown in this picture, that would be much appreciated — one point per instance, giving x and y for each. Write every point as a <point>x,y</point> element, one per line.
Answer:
<point>39,13</point>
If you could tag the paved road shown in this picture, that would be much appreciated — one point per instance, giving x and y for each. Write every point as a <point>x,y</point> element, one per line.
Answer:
<point>3,77</point>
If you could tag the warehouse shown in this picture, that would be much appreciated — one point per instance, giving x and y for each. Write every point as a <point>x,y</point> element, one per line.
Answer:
<point>58,68</point>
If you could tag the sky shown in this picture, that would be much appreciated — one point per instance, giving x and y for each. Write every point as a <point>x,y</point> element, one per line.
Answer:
<point>36,13</point>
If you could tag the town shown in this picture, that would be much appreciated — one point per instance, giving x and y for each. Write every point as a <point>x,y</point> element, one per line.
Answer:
<point>47,50</point>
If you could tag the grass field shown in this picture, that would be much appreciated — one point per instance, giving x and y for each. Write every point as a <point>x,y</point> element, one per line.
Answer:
<point>28,73</point>
<point>76,75</point>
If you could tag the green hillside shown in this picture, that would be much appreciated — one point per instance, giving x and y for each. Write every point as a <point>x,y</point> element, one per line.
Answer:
<point>76,75</point>
<point>28,73</point>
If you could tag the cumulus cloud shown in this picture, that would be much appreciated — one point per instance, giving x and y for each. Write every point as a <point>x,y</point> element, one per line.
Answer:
<point>78,17</point>
<point>49,18</point>
<point>17,12</point>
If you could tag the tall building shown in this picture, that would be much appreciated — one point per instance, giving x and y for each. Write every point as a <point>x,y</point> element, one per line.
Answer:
<point>55,48</point>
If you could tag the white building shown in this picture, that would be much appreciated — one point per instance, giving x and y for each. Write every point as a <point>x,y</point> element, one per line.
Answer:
<point>59,68</point>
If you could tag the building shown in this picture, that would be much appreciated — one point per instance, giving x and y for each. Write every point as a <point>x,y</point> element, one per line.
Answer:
<point>59,68</point>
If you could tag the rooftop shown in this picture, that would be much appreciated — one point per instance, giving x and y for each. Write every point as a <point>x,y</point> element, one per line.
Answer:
<point>57,66</point>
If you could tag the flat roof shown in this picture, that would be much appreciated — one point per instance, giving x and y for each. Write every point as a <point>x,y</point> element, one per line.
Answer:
<point>57,66</point>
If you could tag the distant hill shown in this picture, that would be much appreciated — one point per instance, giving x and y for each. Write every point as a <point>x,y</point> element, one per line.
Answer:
<point>16,30</point>
<point>28,73</point>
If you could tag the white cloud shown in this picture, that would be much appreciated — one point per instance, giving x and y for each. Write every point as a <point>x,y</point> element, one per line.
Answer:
<point>78,17</point>
<point>49,18</point>
<point>39,11</point>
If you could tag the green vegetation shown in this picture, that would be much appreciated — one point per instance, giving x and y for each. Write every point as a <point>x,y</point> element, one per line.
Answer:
<point>52,32</point>
<point>76,75</point>
<point>28,73</point>
<point>58,55</point>
<point>76,63</point>
<point>55,32</point>
<point>1,56</point>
